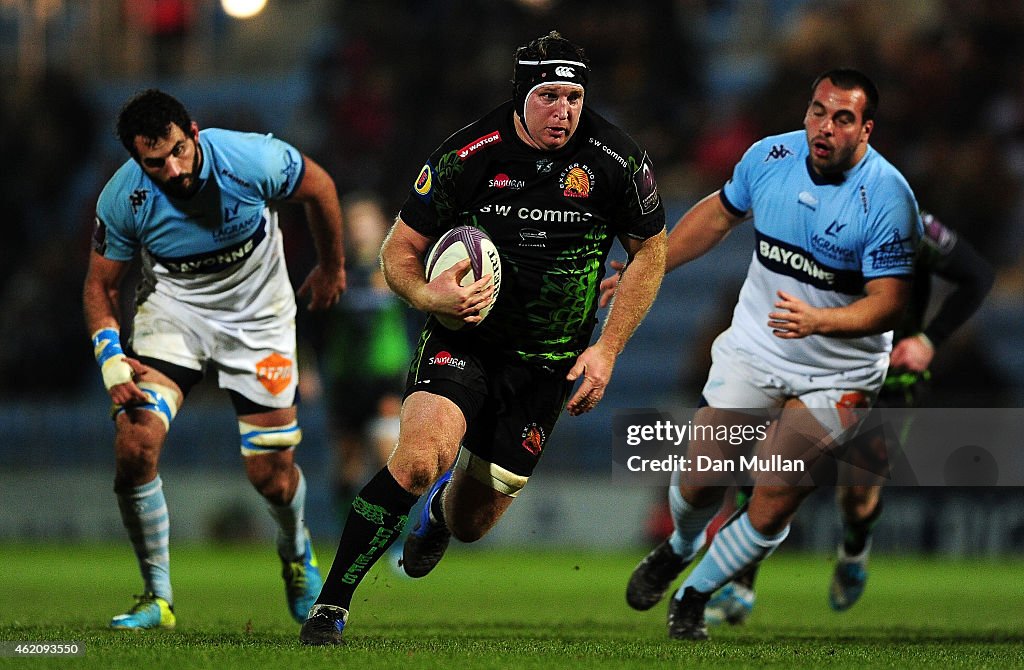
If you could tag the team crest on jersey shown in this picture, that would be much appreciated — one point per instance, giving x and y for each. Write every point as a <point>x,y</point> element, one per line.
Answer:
<point>577,181</point>
<point>275,373</point>
<point>425,181</point>
<point>533,438</point>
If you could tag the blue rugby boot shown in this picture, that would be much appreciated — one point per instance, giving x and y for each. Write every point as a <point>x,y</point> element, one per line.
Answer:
<point>324,626</point>
<point>428,540</point>
<point>302,582</point>
<point>849,579</point>
<point>732,605</point>
<point>150,611</point>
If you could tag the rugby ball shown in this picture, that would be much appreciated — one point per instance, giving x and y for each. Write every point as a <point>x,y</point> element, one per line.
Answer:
<point>456,245</point>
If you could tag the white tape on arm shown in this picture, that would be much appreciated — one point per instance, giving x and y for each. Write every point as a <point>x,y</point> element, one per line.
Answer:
<point>106,346</point>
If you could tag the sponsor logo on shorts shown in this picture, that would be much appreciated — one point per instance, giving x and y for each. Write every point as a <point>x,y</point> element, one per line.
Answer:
<point>533,438</point>
<point>848,407</point>
<point>424,181</point>
<point>446,359</point>
<point>275,373</point>
<point>577,181</point>
<point>478,144</point>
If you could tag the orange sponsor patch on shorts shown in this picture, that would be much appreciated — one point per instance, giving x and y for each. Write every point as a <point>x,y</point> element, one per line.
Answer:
<point>848,406</point>
<point>275,373</point>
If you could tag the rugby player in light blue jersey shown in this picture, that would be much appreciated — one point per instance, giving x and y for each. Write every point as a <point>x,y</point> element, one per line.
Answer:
<point>836,228</point>
<point>215,297</point>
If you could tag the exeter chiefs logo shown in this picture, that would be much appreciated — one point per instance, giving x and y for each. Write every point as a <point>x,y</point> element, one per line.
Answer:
<point>576,181</point>
<point>533,439</point>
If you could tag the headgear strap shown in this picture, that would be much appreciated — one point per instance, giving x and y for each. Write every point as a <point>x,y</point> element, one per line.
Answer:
<point>530,74</point>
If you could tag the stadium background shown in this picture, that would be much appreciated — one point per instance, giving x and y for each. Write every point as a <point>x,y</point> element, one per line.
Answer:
<point>368,89</point>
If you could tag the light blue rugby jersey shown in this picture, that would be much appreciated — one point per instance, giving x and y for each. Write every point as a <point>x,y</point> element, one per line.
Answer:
<point>219,251</point>
<point>820,240</point>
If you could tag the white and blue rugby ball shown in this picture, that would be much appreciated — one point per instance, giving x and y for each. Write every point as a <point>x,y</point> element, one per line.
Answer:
<point>456,245</point>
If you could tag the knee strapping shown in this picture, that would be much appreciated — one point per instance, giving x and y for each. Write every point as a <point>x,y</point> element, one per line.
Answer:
<point>258,440</point>
<point>162,402</point>
<point>495,476</point>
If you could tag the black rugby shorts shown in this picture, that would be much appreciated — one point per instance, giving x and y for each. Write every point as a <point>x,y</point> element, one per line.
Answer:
<point>510,407</point>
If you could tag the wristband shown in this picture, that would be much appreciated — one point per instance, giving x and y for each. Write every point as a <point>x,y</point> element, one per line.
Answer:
<point>927,340</point>
<point>106,346</point>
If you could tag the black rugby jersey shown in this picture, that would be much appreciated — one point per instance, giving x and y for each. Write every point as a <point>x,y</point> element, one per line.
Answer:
<point>553,216</point>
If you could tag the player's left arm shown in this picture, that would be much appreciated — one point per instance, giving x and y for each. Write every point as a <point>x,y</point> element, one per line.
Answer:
<point>879,310</point>
<point>637,288</point>
<point>326,281</point>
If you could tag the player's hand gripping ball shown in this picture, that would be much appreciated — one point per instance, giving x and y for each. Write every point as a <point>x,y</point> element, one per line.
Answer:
<point>456,245</point>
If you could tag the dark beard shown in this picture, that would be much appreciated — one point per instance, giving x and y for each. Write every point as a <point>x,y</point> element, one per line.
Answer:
<point>176,188</point>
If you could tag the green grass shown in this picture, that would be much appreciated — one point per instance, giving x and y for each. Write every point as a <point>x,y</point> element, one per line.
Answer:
<point>489,609</point>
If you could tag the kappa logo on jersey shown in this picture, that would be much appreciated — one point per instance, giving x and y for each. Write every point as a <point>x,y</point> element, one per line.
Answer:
<point>478,144</point>
<point>275,373</point>
<point>778,151</point>
<point>502,180</point>
<point>896,253</point>
<point>446,359</point>
<point>577,181</point>
<point>137,199</point>
<point>565,71</point>
<point>544,166</point>
<point>533,439</point>
<point>424,181</point>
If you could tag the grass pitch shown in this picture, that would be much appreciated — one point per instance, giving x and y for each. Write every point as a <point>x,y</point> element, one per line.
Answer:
<point>489,609</point>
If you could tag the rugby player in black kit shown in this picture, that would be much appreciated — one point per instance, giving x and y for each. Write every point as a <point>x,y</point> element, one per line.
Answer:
<point>553,184</point>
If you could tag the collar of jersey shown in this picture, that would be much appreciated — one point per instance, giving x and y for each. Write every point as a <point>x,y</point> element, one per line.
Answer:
<point>824,180</point>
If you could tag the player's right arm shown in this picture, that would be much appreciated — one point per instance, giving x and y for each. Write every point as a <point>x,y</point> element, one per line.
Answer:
<point>401,259</point>
<point>100,300</point>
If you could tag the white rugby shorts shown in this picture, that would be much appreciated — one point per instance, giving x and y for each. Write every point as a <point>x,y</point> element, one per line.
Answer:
<point>259,363</point>
<point>740,380</point>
